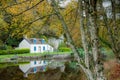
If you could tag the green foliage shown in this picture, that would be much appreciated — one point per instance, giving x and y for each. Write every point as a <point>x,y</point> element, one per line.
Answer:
<point>5,47</point>
<point>15,51</point>
<point>64,49</point>
<point>73,65</point>
<point>13,41</point>
<point>44,37</point>
<point>81,51</point>
<point>2,47</point>
<point>62,45</point>
<point>8,47</point>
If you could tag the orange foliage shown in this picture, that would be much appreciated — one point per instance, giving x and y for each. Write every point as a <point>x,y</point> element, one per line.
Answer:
<point>115,72</point>
<point>112,70</point>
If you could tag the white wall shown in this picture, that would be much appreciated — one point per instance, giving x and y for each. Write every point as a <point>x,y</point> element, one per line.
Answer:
<point>39,48</point>
<point>49,48</point>
<point>24,44</point>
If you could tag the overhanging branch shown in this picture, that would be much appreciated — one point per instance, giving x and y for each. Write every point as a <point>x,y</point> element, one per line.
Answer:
<point>29,23</point>
<point>29,8</point>
<point>38,19</point>
<point>16,4</point>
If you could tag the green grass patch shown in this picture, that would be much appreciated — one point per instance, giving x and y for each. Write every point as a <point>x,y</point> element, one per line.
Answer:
<point>64,49</point>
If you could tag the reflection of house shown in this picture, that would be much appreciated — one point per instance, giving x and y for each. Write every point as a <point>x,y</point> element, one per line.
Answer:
<point>33,67</point>
<point>35,45</point>
<point>41,66</point>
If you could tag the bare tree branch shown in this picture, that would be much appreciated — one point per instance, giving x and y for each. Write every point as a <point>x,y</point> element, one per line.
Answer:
<point>38,19</point>
<point>29,8</point>
<point>29,23</point>
<point>16,4</point>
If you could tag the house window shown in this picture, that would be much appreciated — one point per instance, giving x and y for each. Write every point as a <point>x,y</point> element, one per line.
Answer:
<point>42,41</point>
<point>44,62</point>
<point>35,69</point>
<point>34,48</point>
<point>43,47</point>
<point>34,62</point>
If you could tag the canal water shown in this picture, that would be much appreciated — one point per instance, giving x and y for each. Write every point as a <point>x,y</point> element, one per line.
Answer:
<point>61,69</point>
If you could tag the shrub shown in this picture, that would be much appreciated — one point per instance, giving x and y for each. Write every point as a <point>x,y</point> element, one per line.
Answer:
<point>9,47</point>
<point>62,44</point>
<point>81,52</point>
<point>64,49</point>
<point>5,47</point>
<point>2,47</point>
<point>15,51</point>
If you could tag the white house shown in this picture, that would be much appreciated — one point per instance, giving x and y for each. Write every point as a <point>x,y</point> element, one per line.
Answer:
<point>35,45</point>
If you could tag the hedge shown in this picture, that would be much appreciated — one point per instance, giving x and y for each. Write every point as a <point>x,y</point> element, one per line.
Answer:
<point>15,51</point>
<point>64,49</point>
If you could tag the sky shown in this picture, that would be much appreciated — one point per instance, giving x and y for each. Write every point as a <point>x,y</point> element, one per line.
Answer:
<point>64,3</point>
<point>106,3</point>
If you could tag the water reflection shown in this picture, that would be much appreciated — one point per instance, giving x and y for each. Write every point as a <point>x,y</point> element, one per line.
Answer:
<point>41,66</point>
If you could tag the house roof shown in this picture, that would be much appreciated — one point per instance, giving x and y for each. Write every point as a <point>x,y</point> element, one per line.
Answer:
<point>31,70</point>
<point>31,40</point>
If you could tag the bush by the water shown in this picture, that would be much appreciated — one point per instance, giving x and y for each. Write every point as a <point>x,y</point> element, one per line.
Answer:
<point>15,51</point>
<point>64,49</point>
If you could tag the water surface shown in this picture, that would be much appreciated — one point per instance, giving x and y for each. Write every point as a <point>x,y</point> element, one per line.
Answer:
<point>61,69</point>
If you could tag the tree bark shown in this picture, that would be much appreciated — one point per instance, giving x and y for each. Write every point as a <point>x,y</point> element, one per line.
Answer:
<point>84,43</point>
<point>67,33</point>
<point>98,65</point>
<point>83,35</point>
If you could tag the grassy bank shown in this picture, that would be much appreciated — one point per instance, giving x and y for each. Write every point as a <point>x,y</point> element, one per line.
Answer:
<point>6,57</point>
<point>9,56</point>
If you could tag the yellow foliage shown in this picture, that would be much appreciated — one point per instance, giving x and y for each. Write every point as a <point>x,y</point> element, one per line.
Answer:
<point>44,8</point>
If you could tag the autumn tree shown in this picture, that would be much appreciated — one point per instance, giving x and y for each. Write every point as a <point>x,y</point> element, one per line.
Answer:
<point>20,19</point>
<point>109,30</point>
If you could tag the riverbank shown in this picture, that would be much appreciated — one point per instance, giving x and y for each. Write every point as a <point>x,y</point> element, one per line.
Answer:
<point>11,57</point>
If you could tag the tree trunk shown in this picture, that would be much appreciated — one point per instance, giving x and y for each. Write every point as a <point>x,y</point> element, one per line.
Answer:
<point>67,33</point>
<point>98,65</point>
<point>87,72</point>
<point>84,35</point>
<point>85,44</point>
